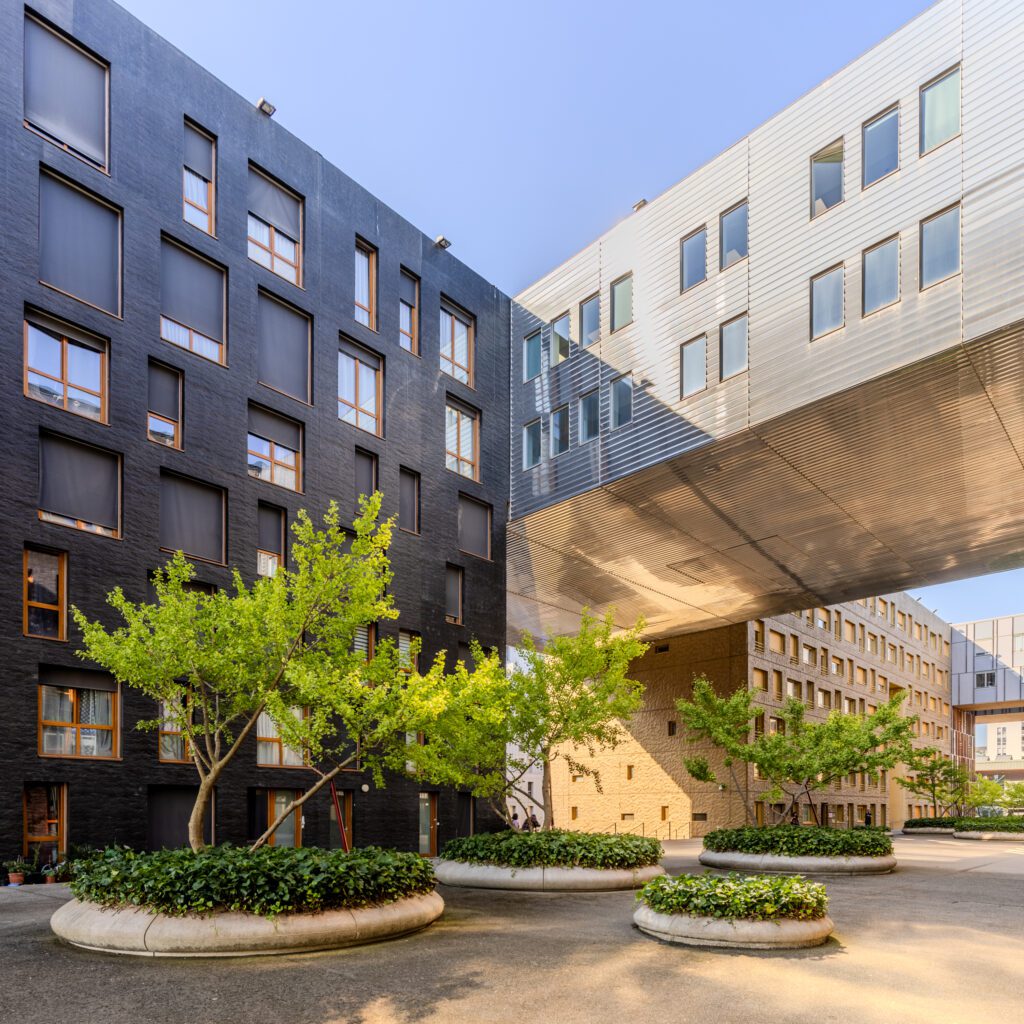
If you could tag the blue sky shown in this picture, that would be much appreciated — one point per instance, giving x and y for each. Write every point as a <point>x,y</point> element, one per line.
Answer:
<point>522,130</point>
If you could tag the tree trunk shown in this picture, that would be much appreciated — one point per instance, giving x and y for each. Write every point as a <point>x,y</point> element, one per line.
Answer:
<point>298,802</point>
<point>197,818</point>
<point>549,810</point>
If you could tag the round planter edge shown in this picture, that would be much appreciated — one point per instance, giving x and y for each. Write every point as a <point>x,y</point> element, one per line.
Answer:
<point>775,864</point>
<point>497,876</point>
<point>738,933</point>
<point>989,837</point>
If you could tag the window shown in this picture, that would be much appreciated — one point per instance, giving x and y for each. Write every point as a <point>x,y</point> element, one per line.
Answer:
<point>827,178</point>
<point>732,232</point>
<point>66,93</point>
<point>693,366</point>
<point>622,302</point>
<point>461,430</point>
<point>275,227</point>
<point>457,328</point>
<point>66,367</point>
<point>881,275</point>
<point>940,247</point>
<point>44,805</point>
<point>365,474</point>
<point>77,713</point>
<point>561,342</point>
<point>198,171</point>
<point>365,311</point>
<point>274,449</point>
<point>79,244</point>
<point>408,500</point>
<point>171,744</point>
<point>984,679</point>
<point>531,444</point>
<point>453,586</point>
<point>79,486</point>
<point>622,400</point>
<point>532,356</point>
<point>827,307</point>
<point>270,749</point>
<point>409,659</point>
<point>163,421</point>
<point>590,416</point>
<point>693,255</point>
<point>474,527</point>
<point>44,600</point>
<point>733,347</point>
<point>192,516</point>
<point>191,301</point>
<point>409,312</point>
<point>560,431</point>
<point>289,832</point>
<point>270,541</point>
<point>590,320</point>
<point>359,387</point>
<point>629,772</point>
<point>365,640</point>
<point>940,110</point>
<point>283,341</point>
<point>881,144</point>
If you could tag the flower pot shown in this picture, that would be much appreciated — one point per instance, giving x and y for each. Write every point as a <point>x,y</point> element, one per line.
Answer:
<point>50,879</point>
<point>15,877</point>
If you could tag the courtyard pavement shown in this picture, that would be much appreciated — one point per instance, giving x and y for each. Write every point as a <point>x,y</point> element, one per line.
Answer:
<point>940,941</point>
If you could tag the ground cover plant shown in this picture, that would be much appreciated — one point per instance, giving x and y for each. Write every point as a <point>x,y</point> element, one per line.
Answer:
<point>801,841</point>
<point>750,897</point>
<point>912,823</point>
<point>554,848</point>
<point>1013,824</point>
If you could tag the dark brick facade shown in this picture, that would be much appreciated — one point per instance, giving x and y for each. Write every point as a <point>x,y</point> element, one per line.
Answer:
<point>153,87</point>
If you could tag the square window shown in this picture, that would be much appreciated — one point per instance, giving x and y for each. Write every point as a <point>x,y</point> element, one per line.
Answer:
<point>881,275</point>
<point>192,518</point>
<point>940,247</point>
<point>732,231</point>
<point>77,713</point>
<point>274,449</point>
<point>940,110</point>
<point>827,307</point>
<point>827,178</point>
<point>693,257</point>
<point>881,145</point>
<point>622,302</point>
<point>693,368</point>
<point>733,347</point>
<point>66,368</point>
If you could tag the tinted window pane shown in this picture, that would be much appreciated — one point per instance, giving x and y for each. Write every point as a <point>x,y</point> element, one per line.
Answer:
<point>622,401</point>
<point>826,179</point>
<point>590,417</point>
<point>940,111</point>
<point>940,247</point>
<point>590,320</point>
<point>827,302</point>
<point>693,367</point>
<point>881,276</point>
<point>531,356</point>
<point>531,444</point>
<point>622,303</point>
<point>734,347</point>
<point>694,259</point>
<point>560,431</point>
<point>881,146</point>
<point>734,236</point>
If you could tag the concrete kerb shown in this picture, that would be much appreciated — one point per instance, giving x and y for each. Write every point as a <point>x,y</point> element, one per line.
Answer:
<point>496,876</point>
<point>992,837</point>
<point>928,831</point>
<point>767,863</point>
<point>740,933</point>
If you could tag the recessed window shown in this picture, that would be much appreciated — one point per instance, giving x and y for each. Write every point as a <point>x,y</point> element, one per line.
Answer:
<point>732,232</point>
<point>79,486</point>
<point>881,143</point>
<point>409,660</point>
<point>881,275</point>
<point>457,329</point>
<point>590,320</point>
<point>163,420</point>
<point>693,366</point>
<point>191,301</point>
<point>409,312</point>
<point>44,806</point>
<point>409,500</point>
<point>453,594</point>
<point>694,259</point>
<point>172,746</point>
<point>365,311</point>
<point>271,749</point>
<point>622,400</point>
<point>827,178</point>
<point>192,517</point>
<point>359,387</point>
<point>289,832</point>
<point>365,640</point>
<point>827,308</point>
<point>274,447</point>
<point>275,227</point>
<point>560,339</point>
<point>66,367</point>
<point>532,356</point>
<point>560,431</point>
<point>733,347</point>
<point>622,302</point>
<point>590,416</point>
<point>531,444</point>
<point>940,247</point>
<point>45,594</point>
<point>198,171</point>
<point>283,342</point>
<point>461,431</point>
<point>366,471</point>
<point>474,527</point>
<point>270,525</point>
<point>77,713</point>
<point>940,110</point>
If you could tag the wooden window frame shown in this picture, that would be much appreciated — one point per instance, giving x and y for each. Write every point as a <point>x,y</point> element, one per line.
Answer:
<point>274,462</point>
<point>61,608</point>
<point>371,641</point>
<point>447,357</point>
<point>192,335</point>
<point>490,530</point>
<point>280,747</point>
<point>62,821</point>
<point>474,463</point>
<point>271,816</point>
<point>414,318</point>
<point>378,380</point>
<point>419,505</point>
<point>65,340</point>
<point>460,618</point>
<point>271,250</point>
<point>175,443</point>
<point>114,533</point>
<point>414,662</point>
<point>370,252</point>
<point>211,194</point>
<point>162,731</point>
<point>113,728</point>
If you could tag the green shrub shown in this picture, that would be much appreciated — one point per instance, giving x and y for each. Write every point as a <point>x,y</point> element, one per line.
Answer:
<point>554,848</point>
<point>1008,824</point>
<point>755,897</point>
<point>801,841</point>
<point>272,880</point>
<point>912,823</point>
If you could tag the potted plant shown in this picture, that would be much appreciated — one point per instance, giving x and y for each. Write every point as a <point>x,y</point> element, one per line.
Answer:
<point>49,872</point>
<point>16,870</point>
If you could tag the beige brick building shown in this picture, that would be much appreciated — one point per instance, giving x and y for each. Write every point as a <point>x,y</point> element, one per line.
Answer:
<point>851,656</point>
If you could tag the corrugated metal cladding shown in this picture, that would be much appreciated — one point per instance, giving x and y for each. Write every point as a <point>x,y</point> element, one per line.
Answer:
<point>885,454</point>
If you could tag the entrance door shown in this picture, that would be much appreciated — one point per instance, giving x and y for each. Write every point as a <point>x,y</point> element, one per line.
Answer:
<point>169,810</point>
<point>289,832</point>
<point>345,801</point>
<point>428,824</point>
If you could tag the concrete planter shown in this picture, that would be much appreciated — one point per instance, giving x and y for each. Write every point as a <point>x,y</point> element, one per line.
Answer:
<point>740,933</point>
<point>139,932</point>
<point>929,831</point>
<point>760,863</point>
<point>495,876</point>
<point>992,837</point>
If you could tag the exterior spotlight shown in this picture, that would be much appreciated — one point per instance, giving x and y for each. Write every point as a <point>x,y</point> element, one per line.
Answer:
<point>639,204</point>
<point>266,107</point>
<point>441,242</point>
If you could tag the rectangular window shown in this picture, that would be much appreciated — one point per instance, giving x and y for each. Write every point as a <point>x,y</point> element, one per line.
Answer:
<point>192,305</point>
<point>732,233</point>
<point>881,275</point>
<point>408,659</point>
<point>274,449</point>
<point>453,594</point>
<point>66,367</point>
<point>474,527</point>
<point>79,244</point>
<point>590,416</point>
<point>561,341</point>
<point>163,421</point>
<point>365,640</point>
<point>827,306</point>
<point>531,444</point>
<point>693,366</point>
<point>192,517</point>
<point>733,347</point>
<point>283,342</point>
<point>359,387</point>
<point>77,713</point>
<point>66,93</point>
<point>365,474</point>
<point>409,500</point>
<point>172,746</point>
<point>79,486</point>
<point>275,227</point>
<point>693,255</point>
<point>365,311</point>
<point>622,302</point>
<point>45,810</point>
<point>622,400</point>
<point>270,749</point>
<point>590,320</point>
<point>881,145</point>
<point>409,312</point>
<point>940,110</point>
<point>532,356</point>
<point>559,431</point>
<point>940,247</point>
<point>461,432</point>
<point>270,540</point>
<point>289,832</point>
<point>457,329</point>
<point>199,169</point>
<point>44,595</point>
<point>827,178</point>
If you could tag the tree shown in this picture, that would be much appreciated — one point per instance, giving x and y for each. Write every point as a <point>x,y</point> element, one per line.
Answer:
<point>937,779</point>
<point>983,793</point>
<point>1012,798</point>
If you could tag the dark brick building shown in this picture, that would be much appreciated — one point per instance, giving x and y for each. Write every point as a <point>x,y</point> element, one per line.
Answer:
<point>201,314</point>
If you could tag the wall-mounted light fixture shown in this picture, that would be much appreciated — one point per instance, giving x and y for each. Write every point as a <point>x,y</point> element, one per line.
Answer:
<point>442,243</point>
<point>264,106</point>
